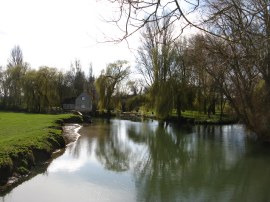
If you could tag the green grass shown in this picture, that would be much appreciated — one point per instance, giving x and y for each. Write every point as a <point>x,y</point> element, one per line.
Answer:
<point>26,129</point>
<point>197,116</point>
<point>201,117</point>
<point>20,133</point>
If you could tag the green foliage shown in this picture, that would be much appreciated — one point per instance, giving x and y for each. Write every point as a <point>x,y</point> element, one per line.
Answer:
<point>200,117</point>
<point>108,82</point>
<point>22,170</point>
<point>135,102</point>
<point>163,64</point>
<point>47,78</point>
<point>164,100</point>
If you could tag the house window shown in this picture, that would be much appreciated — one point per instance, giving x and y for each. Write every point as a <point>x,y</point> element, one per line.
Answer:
<point>83,98</point>
<point>83,106</point>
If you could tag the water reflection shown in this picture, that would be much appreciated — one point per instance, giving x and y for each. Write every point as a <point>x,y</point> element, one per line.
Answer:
<point>146,161</point>
<point>208,164</point>
<point>191,163</point>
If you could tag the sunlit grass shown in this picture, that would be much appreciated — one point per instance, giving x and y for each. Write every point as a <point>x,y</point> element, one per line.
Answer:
<point>20,131</point>
<point>197,116</point>
<point>211,118</point>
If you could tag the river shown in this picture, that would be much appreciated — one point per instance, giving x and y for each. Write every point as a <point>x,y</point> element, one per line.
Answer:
<point>121,160</point>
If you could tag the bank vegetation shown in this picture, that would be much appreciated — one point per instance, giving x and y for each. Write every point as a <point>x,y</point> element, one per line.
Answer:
<point>27,140</point>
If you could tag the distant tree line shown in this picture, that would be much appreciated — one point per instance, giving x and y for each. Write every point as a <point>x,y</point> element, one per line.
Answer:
<point>42,90</point>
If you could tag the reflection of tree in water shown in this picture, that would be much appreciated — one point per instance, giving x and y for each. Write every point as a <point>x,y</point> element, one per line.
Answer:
<point>111,151</point>
<point>202,163</point>
<point>206,165</point>
<point>157,172</point>
<point>102,139</point>
<point>112,154</point>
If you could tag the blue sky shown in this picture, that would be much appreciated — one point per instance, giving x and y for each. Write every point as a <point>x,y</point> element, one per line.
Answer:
<point>55,32</point>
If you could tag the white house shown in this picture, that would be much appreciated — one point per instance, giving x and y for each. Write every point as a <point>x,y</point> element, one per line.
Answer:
<point>83,103</point>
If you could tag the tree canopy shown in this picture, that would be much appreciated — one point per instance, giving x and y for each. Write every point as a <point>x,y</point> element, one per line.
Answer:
<point>109,80</point>
<point>231,58</point>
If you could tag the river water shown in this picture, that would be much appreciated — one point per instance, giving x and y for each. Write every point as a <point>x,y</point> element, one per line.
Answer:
<point>120,160</point>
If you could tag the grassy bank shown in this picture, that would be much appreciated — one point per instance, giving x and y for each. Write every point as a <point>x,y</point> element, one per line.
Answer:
<point>201,118</point>
<point>26,139</point>
<point>188,116</point>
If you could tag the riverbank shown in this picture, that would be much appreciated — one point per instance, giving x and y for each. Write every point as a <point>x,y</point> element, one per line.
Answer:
<point>27,140</point>
<point>187,117</point>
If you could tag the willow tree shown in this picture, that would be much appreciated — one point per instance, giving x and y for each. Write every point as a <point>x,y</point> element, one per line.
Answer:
<point>47,93</point>
<point>108,81</point>
<point>31,91</point>
<point>160,62</point>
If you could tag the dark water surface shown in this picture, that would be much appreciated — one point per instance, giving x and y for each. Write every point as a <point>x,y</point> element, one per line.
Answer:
<point>144,161</point>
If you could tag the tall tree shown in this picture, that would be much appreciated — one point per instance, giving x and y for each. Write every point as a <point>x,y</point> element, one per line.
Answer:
<point>47,88</point>
<point>16,69</point>
<point>158,64</point>
<point>80,79</point>
<point>108,81</point>
<point>90,87</point>
<point>16,57</point>
<point>206,88</point>
<point>242,58</point>
<point>31,91</point>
